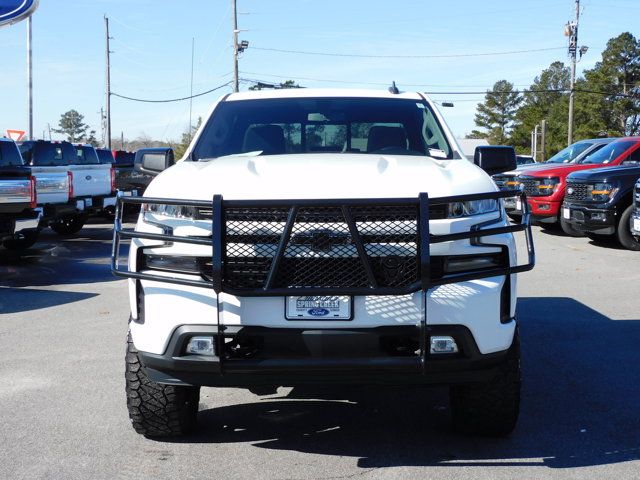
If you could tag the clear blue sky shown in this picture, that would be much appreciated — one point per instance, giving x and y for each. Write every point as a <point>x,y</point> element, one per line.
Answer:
<point>152,52</point>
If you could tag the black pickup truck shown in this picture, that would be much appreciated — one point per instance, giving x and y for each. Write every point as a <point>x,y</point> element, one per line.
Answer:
<point>19,219</point>
<point>600,202</point>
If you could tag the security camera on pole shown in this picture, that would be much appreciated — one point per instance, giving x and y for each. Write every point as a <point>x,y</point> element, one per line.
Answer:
<point>571,31</point>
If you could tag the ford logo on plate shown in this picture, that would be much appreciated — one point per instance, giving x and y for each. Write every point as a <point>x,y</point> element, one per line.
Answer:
<point>318,312</point>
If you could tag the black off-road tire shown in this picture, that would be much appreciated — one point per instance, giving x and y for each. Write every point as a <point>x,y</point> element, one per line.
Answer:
<point>27,241</point>
<point>69,225</point>
<point>158,410</point>
<point>623,232</point>
<point>569,230</point>
<point>492,408</point>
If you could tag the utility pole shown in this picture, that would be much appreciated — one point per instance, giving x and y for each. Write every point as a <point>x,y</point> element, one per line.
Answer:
<point>193,46</point>
<point>108,85</point>
<point>571,30</point>
<point>535,143</point>
<point>30,79</point>
<point>543,134</point>
<point>236,86</point>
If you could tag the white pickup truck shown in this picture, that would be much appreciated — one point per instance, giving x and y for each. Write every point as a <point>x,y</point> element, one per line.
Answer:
<point>70,181</point>
<point>318,237</point>
<point>19,219</point>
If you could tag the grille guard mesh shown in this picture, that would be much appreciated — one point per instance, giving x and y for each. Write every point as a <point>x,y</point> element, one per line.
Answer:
<point>321,247</point>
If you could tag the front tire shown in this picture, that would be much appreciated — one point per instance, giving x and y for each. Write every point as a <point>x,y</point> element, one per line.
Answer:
<point>623,231</point>
<point>158,410</point>
<point>27,241</point>
<point>69,225</point>
<point>490,408</point>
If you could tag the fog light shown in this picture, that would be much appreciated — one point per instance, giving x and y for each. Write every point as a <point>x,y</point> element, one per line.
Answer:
<point>443,345</point>
<point>200,346</point>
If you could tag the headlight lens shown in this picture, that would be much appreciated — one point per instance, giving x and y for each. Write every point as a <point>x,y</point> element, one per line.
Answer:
<point>171,211</point>
<point>546,186</point>
<point>473,207</point>
<point>601,192</point>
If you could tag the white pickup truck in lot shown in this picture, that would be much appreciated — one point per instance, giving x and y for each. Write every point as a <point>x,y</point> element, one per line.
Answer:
<point>90,186</point>
<point>320,237</point>
<point>19,218</point>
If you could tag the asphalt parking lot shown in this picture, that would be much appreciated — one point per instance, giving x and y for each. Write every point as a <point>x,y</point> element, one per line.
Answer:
<point>63,321</point>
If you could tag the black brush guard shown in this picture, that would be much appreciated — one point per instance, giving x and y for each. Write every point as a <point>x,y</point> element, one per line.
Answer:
<point>298,256</point>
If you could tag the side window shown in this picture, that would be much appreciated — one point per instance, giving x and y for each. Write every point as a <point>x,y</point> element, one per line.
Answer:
<point>634,156</point>
<point>433,134</point>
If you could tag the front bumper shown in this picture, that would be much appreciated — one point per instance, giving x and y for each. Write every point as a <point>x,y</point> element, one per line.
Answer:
<point>288,357</point>
<point>590,219</point>
<point>544,210</point>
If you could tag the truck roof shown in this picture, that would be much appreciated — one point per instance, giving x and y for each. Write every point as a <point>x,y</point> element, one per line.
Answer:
<point>321,92</point>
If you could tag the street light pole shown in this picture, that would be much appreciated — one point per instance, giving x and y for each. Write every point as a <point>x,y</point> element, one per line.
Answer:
<point>30,79</point>
<point>108,85</point>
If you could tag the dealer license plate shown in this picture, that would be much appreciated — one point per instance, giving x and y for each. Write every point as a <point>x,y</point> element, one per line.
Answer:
<point>88,202</point>
<point>318,308</point>
<point>636,224</point>
<point>566,213</point>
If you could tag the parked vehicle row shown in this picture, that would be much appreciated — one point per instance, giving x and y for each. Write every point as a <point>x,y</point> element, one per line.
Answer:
<point>59,185</point>
<point>590,193</point>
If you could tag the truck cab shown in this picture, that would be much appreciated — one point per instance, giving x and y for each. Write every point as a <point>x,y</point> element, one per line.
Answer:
<point>19,218</point>
<point>322,237</point>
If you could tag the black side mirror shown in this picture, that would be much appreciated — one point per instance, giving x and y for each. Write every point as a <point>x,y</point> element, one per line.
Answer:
<point>495,159</point>
<point>152,161</point>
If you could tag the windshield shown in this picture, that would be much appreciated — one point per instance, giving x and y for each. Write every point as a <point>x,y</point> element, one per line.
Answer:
<point>610,152</point>
<point>570,153</point>
<point>9,154</point>
<point>312,125</point>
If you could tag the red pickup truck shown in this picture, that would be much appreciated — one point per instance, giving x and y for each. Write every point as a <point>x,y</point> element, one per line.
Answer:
<point>545,188</point>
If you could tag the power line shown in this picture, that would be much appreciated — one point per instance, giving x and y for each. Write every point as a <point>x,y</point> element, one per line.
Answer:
<point>455,55</point>
<point>146,100</point>
<point>353,82</point>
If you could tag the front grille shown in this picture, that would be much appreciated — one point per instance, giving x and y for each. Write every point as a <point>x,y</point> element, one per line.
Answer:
<point>577,192</point>
<point>321,251</point>
<point>501,181</point>
<point>530,186</point>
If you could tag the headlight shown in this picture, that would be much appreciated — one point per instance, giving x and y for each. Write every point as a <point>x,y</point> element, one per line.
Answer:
<point>601,192</point>
<point>156,211</point>
<point>473,207</point>
<point>546,186</point>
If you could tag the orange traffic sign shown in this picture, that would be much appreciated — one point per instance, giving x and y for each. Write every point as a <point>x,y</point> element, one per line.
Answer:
<point>15,135</point>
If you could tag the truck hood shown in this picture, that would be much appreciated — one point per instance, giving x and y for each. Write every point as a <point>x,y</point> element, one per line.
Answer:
<point>561,171</point>
<point>319,176</point>
<point>532,166</point>
<point>607,174</point>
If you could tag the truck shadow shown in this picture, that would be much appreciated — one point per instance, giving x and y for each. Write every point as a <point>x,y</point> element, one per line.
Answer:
<point>580,404</point>
<point>59,260</point>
